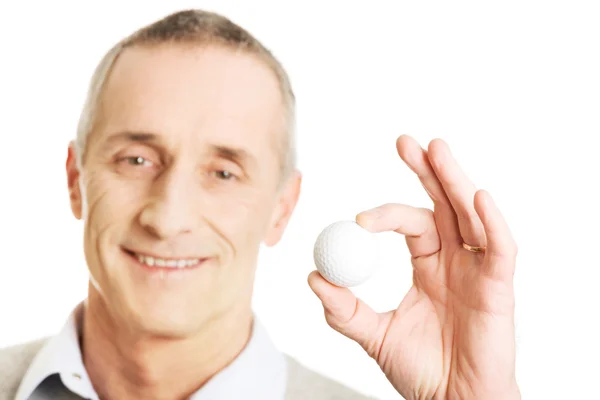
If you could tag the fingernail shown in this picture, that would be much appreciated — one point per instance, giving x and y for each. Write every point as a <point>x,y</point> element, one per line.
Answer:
<point>373,213</point>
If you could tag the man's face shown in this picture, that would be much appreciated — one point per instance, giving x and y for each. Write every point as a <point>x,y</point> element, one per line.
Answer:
<point>179,186</point>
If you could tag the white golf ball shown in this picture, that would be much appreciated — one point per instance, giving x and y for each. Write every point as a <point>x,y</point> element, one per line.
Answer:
<point>345,254</point>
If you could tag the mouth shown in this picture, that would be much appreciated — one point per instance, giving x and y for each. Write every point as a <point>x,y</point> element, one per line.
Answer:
<point>155,263</point>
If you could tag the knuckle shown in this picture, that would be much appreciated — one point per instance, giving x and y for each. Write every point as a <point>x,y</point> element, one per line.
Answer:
<point>387,207</point>
<point>334,322</point>
<point>427,212</point>
<point>472,218</point>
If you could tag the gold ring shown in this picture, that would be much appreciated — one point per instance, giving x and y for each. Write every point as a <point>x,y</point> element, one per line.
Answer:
<point>474,249</point>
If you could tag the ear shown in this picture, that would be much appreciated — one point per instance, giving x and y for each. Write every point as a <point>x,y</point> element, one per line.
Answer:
<point>288,198</point>
<point>73,175</point>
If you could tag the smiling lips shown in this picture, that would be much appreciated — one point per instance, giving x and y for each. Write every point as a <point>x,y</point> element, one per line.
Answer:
<point>173,263</point>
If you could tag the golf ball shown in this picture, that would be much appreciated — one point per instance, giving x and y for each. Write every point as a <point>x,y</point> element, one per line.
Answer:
<point>345,253</point>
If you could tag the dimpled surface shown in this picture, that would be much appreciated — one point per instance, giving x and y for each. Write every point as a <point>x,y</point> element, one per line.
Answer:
<point>346,254</point>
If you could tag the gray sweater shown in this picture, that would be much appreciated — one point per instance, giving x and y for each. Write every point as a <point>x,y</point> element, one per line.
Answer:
<point>302,384</point>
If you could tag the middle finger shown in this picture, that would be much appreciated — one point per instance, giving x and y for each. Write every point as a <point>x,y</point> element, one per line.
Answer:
<point>417,160</point>
<point>459,190</point>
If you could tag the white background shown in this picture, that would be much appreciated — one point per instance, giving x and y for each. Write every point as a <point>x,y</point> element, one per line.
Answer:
<point>512,86</point>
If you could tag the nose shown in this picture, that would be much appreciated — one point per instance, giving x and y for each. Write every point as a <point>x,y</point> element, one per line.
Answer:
<point>169,211</point>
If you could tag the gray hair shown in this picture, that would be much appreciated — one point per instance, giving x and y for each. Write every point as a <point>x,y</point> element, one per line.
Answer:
<point>192,27</point>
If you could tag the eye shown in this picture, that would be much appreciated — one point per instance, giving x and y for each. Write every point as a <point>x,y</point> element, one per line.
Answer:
<point>137,161</point>
<point>224,175</point>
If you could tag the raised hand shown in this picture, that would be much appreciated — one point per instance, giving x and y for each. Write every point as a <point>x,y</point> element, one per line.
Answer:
<point>453,334</point>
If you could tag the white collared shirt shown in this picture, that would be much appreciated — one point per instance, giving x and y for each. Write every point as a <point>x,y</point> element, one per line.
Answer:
<point>259,372</point>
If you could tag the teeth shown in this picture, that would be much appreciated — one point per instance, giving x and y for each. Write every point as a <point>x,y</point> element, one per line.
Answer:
<point>161,262</point>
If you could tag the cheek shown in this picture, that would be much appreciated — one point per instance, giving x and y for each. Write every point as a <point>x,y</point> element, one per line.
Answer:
<point>109,200</point>
<point>243,218</point>
<point>110,207</point>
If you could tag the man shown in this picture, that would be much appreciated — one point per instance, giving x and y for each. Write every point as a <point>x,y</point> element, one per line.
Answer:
<point>183,165</point>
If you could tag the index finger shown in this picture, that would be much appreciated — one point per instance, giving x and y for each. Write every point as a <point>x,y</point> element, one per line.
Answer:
<point>416,224</point>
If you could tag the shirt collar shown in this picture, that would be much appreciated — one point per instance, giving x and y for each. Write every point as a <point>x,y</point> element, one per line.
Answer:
<point>259,371</point>
<point>60,355</point>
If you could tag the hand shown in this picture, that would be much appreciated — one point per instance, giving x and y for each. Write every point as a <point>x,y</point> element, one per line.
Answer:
<point>453,336</point>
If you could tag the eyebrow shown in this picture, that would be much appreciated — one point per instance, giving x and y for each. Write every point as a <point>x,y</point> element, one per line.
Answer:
<point>236,155</point>
<point>142,137</point>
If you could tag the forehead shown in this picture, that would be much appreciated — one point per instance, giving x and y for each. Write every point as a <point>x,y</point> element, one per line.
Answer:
<point>192,92</point>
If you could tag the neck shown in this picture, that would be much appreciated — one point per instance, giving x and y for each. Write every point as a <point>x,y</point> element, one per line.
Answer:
<point>126,365</point>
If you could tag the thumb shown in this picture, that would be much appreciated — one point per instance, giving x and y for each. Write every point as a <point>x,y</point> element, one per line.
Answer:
<point>348,315</point>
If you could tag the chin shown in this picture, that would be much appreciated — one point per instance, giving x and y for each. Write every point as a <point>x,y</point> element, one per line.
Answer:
<point>167,330</point>
<point>168,322</point>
